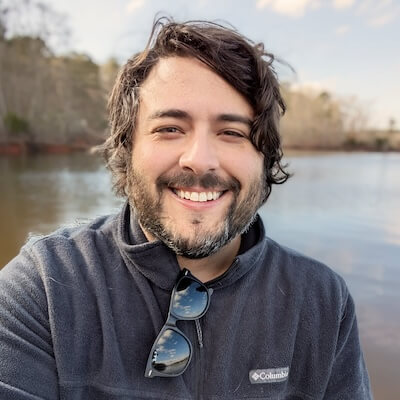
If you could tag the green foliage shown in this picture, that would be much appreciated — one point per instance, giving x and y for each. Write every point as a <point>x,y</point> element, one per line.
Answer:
<point>15,124</point>
<point>352,143</point>
<point>382,143</point>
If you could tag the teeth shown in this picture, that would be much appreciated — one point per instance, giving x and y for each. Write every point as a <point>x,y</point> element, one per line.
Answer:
<point>203,196</point>
<point>196,196</point>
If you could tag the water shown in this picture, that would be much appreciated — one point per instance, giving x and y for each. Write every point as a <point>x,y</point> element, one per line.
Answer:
<point>342,209</point>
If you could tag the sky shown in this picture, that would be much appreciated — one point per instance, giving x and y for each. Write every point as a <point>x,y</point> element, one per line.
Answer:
<point>348,47</point>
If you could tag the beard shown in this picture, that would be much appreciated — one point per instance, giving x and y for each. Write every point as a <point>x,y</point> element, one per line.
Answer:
<point>202,242</point>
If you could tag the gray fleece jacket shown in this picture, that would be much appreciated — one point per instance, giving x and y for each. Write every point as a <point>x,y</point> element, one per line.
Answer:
<point>80,309</point>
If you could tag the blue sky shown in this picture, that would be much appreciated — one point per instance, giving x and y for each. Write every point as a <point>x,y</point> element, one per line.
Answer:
<point>349,47</point>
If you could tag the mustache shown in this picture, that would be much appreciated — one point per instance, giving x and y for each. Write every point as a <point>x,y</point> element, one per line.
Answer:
<point>206,181</point>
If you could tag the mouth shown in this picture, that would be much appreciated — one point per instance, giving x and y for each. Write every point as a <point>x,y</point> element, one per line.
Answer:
<point>198,196</point>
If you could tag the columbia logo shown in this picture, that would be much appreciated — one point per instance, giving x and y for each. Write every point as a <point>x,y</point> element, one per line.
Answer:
<point>269,375</point>
<point>255,376</point>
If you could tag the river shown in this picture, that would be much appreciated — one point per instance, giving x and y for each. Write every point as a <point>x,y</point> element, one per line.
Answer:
<point>341,208</point>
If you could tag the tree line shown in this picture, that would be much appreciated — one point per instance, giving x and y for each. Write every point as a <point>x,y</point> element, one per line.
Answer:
<point>44,97</point>
<point>51,99</point>
<point>61,99</point>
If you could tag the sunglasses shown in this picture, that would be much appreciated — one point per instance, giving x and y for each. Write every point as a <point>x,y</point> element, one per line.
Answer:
<point>172,351</point>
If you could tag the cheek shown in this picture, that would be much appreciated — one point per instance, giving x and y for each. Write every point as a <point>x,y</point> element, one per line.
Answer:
<point>245,165</point>
<point>141,154</point>
<point>151,159</point>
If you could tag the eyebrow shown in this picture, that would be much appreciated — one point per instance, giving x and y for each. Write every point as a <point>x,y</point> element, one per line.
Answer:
<point>180,114</point>
<point>172,113</point>
<point>235,118</point>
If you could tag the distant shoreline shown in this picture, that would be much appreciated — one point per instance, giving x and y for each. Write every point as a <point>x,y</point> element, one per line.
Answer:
<point>374,144</point>
<point>20,149</point>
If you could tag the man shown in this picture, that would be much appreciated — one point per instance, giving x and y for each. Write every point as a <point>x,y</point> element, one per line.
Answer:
<point>104,311</point>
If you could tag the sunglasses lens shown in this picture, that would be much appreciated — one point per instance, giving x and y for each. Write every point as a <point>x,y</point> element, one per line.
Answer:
<point>189,299</point>
<point>172,353</point>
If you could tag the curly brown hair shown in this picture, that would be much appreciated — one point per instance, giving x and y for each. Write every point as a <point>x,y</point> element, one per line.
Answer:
<point>244,64</point>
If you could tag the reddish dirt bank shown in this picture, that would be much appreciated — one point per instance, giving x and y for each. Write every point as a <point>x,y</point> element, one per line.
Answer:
<point>16,149</point>
<point>11,149</point>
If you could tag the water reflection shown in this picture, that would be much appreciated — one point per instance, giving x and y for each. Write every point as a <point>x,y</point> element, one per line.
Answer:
<point>343,210</point>
<point>40,193</point>
<point>172,353</point>
<point>339,208</point>
<point>190,299</point>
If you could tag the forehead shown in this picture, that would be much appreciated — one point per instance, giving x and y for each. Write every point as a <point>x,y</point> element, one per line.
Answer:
<point>188,84</point>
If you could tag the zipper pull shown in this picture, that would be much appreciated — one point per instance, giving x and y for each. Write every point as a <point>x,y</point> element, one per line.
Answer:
<point>199,333</point>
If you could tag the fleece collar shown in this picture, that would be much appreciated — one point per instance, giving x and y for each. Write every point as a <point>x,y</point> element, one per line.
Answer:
<point>158,263</point>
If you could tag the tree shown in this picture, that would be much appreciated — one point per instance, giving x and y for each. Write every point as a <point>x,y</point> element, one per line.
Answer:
<point>79,100</point>
<point>34,19</point>
<point>108,73</point>
<point>392,125</point>
<point>61,98</point>
<point>313,119</point>
<point>26,28</point>
<point>17,127</point>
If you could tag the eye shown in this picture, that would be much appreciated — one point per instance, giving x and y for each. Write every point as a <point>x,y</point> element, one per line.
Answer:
<point>167,129</point>
<point>168,132</point>
<point>233,134</point>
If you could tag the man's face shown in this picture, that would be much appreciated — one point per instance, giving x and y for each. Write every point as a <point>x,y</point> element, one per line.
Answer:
<point>196,180</point>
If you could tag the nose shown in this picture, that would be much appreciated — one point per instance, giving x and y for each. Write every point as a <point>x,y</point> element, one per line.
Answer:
<point>199,155</point>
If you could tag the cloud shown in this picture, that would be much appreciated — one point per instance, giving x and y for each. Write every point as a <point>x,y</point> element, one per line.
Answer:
<point>342,30</point>
<point>374,5</point>
<point>315,87</point>
<point>378,12</point>
<point>202,3</point>
<point>343,3</point>
<point>292,8</point>
<point>382,20</point>
<point>134,5</point>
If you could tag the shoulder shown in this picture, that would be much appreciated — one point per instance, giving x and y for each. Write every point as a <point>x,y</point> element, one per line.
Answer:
<point>71,264</point>
<point>81,238</point>
<point>74,232</point>
<point>64,251</point>
<point>309,278</point>
<point>294,263</point>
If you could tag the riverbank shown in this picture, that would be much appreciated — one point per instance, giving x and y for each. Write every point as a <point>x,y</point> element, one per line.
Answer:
<point>19,149</point>
<point>369,141</point>
<point>366,141</point>
<point>13,149</point>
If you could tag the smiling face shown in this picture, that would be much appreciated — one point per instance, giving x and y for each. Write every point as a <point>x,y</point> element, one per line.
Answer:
<point>196,180</point>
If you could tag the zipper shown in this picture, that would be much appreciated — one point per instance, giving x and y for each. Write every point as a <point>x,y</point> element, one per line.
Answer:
<point>199,375</point>
<point>215,281</point>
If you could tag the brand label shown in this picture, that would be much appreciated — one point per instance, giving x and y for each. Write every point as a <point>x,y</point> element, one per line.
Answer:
<point>269,375</point>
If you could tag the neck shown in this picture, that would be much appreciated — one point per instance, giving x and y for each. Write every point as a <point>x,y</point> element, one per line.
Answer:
<point>208,268</point>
